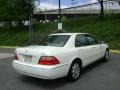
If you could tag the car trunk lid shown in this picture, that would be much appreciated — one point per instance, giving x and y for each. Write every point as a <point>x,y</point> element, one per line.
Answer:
<point>32,54</point>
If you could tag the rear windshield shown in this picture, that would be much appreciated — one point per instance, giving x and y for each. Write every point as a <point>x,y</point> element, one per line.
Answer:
<point>55,40</point>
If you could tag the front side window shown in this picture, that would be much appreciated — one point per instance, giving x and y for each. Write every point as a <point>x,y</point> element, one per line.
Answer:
<point>80,41</point>
<point>55,40</point>
<point>91,40</point>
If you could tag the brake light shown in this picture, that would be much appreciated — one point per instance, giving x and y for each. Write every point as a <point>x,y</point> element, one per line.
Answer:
<point>15,56</point>
<point>48,60</point>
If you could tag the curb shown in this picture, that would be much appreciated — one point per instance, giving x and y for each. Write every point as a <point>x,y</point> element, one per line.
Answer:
<point>115,51</point>
<point>11,47</point>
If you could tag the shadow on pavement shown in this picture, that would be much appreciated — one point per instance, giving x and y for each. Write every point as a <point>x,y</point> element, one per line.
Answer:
<point>92,66</point>
<point>52,84</point>
<point>48,84</point>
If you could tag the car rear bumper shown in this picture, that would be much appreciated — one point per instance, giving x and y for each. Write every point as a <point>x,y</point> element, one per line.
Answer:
<point>40,71</point>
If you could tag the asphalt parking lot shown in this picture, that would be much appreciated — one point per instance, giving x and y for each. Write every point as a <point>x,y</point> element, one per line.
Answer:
<point>98,76</point>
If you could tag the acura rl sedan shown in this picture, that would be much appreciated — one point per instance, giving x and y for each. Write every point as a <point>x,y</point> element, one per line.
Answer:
<point>60,55</point>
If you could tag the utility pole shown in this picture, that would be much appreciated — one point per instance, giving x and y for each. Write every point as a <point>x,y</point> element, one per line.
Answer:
<point>30,12</point>
<point>11,13</point>
<point>60,16</point>
<point>30,29</point>
<point>59,11</point>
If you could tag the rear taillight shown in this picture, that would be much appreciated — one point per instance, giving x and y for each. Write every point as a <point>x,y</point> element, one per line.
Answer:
<point>48,60</point>
<point>15,56</point>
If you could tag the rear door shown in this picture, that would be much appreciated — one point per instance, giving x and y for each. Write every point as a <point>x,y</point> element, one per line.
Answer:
<point>95,48</point>
<point>84,51</point>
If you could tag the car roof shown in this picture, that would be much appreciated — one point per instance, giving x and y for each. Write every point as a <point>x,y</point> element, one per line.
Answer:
<point>68,33</point>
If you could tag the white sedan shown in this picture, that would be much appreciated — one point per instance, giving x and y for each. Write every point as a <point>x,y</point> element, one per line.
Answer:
<point>60,55</point>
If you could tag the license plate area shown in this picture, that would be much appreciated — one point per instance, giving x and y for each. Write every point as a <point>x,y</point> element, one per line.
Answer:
<point>27,58</point>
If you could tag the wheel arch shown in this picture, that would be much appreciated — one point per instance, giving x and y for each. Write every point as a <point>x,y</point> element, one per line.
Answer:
<point>78,60</point>
<point>107,48</point>
<point>74,60</point>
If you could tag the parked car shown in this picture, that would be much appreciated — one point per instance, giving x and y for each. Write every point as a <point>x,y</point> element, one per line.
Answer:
<point>59,55</point>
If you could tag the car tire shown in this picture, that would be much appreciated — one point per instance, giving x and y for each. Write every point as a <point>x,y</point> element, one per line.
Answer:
<point>106,56</point>
<point>74,71</point>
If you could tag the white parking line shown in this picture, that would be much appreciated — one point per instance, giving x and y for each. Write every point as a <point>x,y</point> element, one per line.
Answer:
<point>5,55</point>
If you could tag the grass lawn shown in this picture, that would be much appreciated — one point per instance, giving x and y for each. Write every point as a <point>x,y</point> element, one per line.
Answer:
<point>107,30</point>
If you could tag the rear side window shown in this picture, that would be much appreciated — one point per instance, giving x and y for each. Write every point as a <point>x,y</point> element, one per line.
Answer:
<point>80,41</point>
<point>91,40</point>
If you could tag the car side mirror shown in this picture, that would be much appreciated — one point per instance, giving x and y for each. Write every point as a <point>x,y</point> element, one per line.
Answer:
<point>101,42</point>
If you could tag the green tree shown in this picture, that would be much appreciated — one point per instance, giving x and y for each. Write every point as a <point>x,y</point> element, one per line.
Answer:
<point>15,10</point>
<point>4,13</point>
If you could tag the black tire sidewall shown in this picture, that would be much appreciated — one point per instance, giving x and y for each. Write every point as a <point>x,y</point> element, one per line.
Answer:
<point>107,52</point>
<point>70,75</point>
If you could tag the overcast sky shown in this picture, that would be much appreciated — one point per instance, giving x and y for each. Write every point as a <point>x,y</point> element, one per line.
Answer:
<point>53,4</point>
